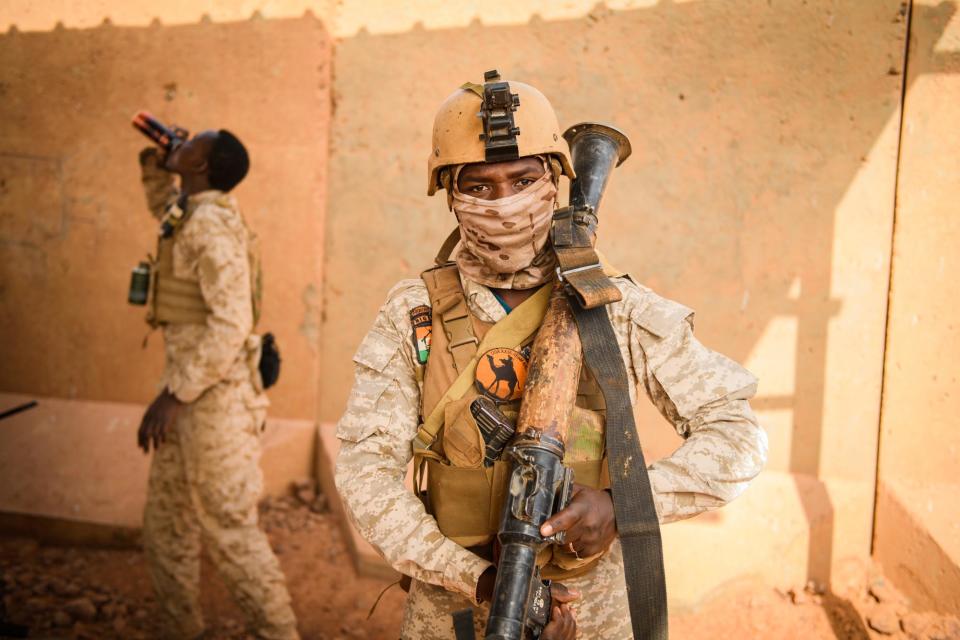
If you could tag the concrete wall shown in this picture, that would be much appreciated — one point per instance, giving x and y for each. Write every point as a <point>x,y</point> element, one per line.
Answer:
<point>760,193</point>
<point>917,536</point>
<point>73,220</point>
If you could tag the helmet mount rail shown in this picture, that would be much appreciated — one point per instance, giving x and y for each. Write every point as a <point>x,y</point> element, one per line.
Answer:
<point>499,128</point>
<point>482,123</point>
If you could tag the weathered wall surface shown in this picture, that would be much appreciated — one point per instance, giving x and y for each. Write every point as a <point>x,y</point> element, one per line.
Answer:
<point>760,193</point>
<point>75,461</point>
<point>73,223</point>
<point>72,215</point>
<point>917,537</point>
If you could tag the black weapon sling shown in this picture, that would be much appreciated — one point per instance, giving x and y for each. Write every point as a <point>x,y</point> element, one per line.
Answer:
<point>637,524</point>
<point>590,291</point>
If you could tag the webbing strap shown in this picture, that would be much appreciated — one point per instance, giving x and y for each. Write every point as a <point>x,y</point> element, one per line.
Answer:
<point>443,256</point>
<point>637,524</point>
<point>450,306</point>
<point>461,339</point>
<point>580,266</point>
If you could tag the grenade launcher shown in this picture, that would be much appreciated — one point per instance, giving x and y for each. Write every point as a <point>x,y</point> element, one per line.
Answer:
<point>539,483</point>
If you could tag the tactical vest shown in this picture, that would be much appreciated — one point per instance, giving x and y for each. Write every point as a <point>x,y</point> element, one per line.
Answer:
<point>174,300</point>
<point>466,501</point>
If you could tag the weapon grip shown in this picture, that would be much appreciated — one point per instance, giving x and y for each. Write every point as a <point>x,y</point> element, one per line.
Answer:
<point>560,502</point>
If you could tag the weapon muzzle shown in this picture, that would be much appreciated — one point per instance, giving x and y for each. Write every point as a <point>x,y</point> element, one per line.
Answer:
<point>596,149</point>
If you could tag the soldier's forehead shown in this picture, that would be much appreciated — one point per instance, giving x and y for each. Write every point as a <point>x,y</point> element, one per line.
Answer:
<point>509,168</point>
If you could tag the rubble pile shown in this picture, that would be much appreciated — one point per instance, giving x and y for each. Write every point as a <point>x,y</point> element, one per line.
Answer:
<point>45,589</point>
<point>875,608</point>
<point>49,590</point>
<point>304,508</point>
<point>888,612</point>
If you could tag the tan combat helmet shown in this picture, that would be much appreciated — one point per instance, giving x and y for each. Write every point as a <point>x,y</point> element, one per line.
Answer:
<point>493,122</point>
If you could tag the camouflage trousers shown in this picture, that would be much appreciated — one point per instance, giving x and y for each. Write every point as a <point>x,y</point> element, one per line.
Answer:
<point>602,610</point>
<point>205,481</point>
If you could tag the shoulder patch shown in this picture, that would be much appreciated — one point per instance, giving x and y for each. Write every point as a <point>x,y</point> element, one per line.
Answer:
<point>421,319</point>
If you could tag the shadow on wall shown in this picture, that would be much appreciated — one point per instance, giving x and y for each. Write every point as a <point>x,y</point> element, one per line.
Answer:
<point>73,221</point>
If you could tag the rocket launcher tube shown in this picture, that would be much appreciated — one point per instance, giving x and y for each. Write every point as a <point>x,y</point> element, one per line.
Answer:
<point>539,483</point>
<point>554,374</point>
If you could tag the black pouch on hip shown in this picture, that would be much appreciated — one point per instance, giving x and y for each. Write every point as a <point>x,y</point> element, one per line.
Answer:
<point>269,361</point>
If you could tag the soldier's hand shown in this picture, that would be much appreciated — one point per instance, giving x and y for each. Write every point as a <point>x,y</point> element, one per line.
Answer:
<point>563,622</point>
<point>588,520</point>
<point>159,416</point>
<point>153,156</point>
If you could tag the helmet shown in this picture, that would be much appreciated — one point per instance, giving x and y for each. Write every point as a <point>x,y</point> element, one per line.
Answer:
<point>459,129</point>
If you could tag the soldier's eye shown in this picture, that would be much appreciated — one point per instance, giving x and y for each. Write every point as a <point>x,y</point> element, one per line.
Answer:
<point>523,183</point>
<point>478,188</point>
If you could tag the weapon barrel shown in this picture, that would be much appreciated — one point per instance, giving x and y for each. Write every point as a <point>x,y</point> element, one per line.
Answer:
<point>537,474</point>
<point>551,388</point>
<point>515,573</point>
<point>17,409</point>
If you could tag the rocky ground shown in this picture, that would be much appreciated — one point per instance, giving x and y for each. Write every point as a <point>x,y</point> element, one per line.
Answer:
<point>86,593</point>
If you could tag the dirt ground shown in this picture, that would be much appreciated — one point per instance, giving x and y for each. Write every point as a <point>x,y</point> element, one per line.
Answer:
<point>88,593</point>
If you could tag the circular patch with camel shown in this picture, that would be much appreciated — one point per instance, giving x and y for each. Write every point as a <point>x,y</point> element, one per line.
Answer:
<point>501,374</point>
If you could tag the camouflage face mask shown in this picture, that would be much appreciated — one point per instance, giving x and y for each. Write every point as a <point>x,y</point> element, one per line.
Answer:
<point>504,241</point>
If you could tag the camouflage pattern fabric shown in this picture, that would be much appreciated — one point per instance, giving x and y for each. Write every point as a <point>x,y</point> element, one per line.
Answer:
<point>210,248</point>
<point>205,479</point>
<point>204,485</point>
<point>602,611</point>
<point>702,393</point>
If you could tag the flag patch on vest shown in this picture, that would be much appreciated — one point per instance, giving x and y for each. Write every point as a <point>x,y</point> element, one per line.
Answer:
<point>422,320</point>
<point>501,374</point>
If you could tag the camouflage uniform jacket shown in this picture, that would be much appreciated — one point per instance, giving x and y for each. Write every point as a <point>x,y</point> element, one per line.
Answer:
<point>210,248</point>
<point>702,393</point>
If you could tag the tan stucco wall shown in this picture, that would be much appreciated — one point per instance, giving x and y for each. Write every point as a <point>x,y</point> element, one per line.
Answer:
<point>918,537</point>
<point>760,194</point>
<point>72,460</point>
<point>72,216</point>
